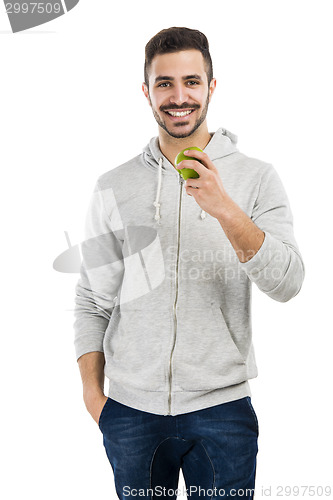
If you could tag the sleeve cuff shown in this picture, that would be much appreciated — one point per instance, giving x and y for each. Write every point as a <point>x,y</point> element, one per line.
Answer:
<point>88,343</point>
<point>269,254</point>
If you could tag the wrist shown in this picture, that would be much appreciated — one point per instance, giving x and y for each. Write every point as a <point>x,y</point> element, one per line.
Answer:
<point>228,210</point>
<point>91,392</point>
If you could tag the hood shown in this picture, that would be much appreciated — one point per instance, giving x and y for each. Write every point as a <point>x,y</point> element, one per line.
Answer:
<point>222,143</point>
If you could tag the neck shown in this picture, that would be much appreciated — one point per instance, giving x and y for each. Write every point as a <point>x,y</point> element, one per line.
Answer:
<point>171,146</point>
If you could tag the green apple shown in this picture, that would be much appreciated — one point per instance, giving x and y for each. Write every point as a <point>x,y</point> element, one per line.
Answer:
<point>187,173</point>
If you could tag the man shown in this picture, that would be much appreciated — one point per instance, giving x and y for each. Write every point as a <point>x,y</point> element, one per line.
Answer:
<point>165,290</point>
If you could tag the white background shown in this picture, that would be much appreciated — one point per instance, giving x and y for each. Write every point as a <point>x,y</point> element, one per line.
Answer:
<point>71,109</point>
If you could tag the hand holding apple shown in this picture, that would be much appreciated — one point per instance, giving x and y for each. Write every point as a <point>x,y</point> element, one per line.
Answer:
<point>187,173</point>
<point>207,188</point>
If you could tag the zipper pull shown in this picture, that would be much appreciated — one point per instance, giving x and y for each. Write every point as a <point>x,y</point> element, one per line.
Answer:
<point>181,179</point>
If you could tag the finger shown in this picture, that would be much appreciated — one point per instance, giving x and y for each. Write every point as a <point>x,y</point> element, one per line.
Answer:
<point>195,183</point>
<point>202,157</point>
<point>189,190</point>
<point>193,164</point>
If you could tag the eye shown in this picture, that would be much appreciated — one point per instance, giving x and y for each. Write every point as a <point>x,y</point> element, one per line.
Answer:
<point>193,83</point>
<point>163,84</point>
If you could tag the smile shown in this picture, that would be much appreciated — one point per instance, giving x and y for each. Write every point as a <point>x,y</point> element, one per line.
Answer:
<point>180,113</point>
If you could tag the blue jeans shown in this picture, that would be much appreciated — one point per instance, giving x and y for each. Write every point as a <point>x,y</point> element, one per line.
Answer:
<point>216,448</point>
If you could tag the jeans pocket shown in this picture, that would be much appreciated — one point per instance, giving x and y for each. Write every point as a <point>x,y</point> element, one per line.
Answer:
<point>102,414</point>
<point>254,415</point>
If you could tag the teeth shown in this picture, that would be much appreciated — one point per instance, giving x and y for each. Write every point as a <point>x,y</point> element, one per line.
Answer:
<point>179,113</point>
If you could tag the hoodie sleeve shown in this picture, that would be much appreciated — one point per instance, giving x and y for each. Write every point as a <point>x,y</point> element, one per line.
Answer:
<point>100,277</point>
<point>277,268</point>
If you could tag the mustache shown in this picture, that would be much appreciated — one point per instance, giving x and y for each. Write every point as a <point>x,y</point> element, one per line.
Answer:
<point>179,108</point>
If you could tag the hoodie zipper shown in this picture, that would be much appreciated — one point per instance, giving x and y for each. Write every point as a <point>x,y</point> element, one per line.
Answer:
<point>181,181</point>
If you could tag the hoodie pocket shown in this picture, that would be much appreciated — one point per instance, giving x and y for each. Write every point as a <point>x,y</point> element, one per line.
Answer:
<point>136,344</point>
<point>207,356</point>
<point>221,320</point>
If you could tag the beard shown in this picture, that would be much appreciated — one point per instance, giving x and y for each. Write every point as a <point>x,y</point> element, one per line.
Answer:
<point>180,134</point>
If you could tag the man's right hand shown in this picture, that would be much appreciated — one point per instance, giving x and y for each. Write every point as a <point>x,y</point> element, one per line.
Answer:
<point>91,367</point>
<point>94,402</point>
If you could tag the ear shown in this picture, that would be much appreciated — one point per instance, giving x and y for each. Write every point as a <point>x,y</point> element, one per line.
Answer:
<point>145,90</point>
<point>212,87</point>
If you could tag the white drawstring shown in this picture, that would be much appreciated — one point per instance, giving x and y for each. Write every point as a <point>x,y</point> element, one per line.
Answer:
<point>156,202</point>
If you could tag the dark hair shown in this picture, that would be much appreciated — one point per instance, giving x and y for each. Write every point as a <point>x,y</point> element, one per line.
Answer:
<point>174,40</point>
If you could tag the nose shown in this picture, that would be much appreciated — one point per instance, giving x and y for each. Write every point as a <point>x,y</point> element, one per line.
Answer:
<point>179,95</point>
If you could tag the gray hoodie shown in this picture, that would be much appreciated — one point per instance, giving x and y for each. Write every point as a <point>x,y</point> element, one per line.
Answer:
<point>162,292</point>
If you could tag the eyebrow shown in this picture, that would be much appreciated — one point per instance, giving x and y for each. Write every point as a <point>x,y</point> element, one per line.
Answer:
<point>171,78</point>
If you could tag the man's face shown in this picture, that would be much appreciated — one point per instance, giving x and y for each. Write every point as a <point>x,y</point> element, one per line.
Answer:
<point>178,91</point>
